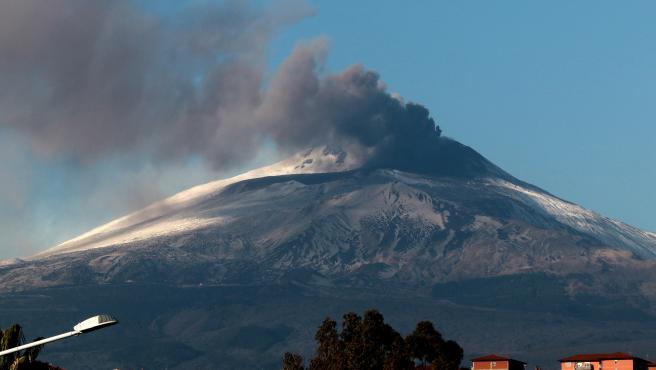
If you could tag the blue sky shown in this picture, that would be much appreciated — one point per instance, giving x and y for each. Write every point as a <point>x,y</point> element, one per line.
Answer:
<point>559,94</point>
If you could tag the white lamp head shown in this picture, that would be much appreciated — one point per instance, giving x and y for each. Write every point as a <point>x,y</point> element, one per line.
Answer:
<point>95,323</point>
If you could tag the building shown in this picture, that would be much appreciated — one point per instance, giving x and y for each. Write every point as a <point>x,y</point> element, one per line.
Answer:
<point>495,362</point>
<point>604,361</point>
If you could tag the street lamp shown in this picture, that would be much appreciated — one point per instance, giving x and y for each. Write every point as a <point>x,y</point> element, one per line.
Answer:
<point>88,325</point>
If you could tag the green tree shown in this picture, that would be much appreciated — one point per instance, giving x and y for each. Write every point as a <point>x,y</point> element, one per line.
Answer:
<point>425,343</point>
<point>351,337</point>
<point>367,340</point>
<point>12,337</point>
<point>330,352</point>
<point>397,356</point>
<point>368,343</point>
<point>22,360</point>
<point>377,338</point>
<point>449,357</point>
<point>292,361</point>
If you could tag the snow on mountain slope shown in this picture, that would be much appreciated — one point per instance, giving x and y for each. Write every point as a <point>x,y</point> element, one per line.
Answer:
<point>345,204</point>
<point>163,218</point>
<point>609,231</point>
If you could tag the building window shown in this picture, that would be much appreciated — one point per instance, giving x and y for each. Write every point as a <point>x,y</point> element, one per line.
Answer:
<point>583,366</point>
<point>568,364</point>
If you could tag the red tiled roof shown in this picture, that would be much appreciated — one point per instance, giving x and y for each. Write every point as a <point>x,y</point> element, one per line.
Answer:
<point>494,357</point>
<point>598,357</point>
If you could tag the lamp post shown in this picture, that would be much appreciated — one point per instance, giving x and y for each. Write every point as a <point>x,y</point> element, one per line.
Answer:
<point>88,325</point>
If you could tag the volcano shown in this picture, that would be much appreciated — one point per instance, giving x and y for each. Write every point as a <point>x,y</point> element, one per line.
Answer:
<point>237,271</point>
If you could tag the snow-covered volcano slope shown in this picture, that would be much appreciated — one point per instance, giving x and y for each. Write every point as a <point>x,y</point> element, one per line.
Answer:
<point>290,242</point>
<point>318,209</point>
<point>609,231</point>
<point>170,216</point>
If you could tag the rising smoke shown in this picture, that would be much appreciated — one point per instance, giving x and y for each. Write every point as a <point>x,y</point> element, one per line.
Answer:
<point>110,105</point>
<point>86,80</point>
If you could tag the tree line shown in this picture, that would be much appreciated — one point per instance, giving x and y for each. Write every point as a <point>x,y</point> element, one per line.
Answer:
<point>368,343</point>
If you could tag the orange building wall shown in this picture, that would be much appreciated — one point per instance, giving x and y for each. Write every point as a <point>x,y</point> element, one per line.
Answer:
<point>490,365</point>
<point>617,365</point>
<point>571,365</point>
<point>605,365</point>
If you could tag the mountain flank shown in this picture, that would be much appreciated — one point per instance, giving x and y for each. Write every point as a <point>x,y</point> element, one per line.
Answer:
<point>238,271</point>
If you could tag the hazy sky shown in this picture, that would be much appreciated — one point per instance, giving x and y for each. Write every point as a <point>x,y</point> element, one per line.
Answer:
<point>558,93</point>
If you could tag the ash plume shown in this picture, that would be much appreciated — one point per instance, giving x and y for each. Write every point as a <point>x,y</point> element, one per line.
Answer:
<point>86,80</point>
